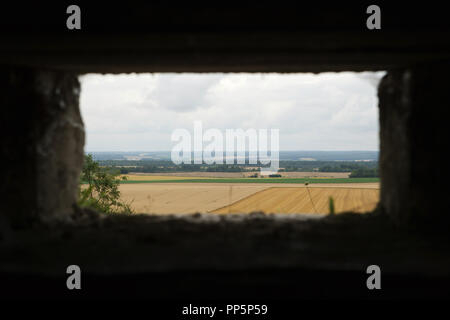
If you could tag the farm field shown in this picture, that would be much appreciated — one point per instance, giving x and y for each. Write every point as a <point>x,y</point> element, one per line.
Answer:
<point>181,178</point>
<point>158,177</point>
<point>306,200</point>
<point>202,174</point>
<point>166,197</point>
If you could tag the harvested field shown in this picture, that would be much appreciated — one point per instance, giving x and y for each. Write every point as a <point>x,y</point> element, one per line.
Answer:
<point>173,175</point>
<point>159,176</point>
<point>306,200</point>
<point>166,198</point>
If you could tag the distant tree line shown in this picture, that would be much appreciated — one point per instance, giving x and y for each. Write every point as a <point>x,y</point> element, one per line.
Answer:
<point>181,168</point>
<point>326,166</point>
<point>357,169</point>
<point>365,173</point>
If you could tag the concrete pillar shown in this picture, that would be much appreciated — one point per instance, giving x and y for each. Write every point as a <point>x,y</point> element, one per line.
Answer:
<point>414,128</point>
<point>42,138</point>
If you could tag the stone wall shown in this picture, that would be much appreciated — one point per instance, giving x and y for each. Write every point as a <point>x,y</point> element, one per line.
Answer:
<point>42,144</point>
<point>413,105</point>
<point>43,139</point>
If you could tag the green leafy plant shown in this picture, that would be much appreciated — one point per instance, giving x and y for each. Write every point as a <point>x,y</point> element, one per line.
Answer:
<point>331,205</point>
<point>99,189</point>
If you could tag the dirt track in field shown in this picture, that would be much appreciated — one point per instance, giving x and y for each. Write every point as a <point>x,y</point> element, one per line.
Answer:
<point>166,198</point>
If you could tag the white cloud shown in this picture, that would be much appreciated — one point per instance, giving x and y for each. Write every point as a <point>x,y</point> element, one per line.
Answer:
<point>329,111</point>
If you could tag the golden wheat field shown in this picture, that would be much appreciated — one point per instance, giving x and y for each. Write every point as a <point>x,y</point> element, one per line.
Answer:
<point>166,198</point>
<point>306,200</point>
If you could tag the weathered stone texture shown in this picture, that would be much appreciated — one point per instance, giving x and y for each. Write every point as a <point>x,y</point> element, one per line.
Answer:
<point>42,144</point>
<point>413,143</point>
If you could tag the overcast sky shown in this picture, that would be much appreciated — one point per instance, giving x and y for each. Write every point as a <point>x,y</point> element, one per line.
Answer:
<point>138,112</point>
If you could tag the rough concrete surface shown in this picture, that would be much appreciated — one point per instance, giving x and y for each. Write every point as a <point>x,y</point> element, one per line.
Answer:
<point>42,144</point>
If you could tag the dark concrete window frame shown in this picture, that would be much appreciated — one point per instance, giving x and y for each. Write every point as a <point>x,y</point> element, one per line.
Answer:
<point>46,149</point>
<point>56,132</point>
<point>42,137</point>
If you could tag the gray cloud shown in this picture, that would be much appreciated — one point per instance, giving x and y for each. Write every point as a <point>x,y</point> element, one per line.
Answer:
<point>181,92</point>
<point>329,111</point>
